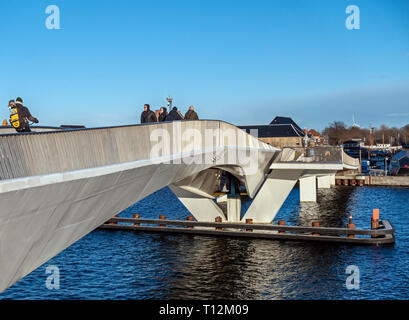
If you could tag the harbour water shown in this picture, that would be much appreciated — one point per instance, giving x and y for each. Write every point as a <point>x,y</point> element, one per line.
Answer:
<point>125,265</point>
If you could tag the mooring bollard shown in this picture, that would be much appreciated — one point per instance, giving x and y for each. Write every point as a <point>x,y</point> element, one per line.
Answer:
<point>375,221</point>
<point>114,222</point>
<point>218,220</point>
<point>351,226</point>
<point>249,221</point>
<point>162,217</point>
<point>190,218</point>
<point>281,223</point>
<point>137,216</point>
<point>315,224</point>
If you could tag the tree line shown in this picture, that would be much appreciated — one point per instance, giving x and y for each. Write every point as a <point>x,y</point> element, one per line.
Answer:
<point>338,132</point>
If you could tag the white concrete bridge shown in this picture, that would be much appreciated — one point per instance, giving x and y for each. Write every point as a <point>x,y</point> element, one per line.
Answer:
<point>57,186</point>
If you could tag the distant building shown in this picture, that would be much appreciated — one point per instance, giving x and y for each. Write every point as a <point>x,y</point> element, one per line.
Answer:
<point>285,120</point>
<point>400,163</point>
<point>281,132</point>
<point>316,138</point>
<point>354,148</point>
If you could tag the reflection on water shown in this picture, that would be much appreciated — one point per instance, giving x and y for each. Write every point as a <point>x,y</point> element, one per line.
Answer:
<point>125,265</point>
<point>239,269</point>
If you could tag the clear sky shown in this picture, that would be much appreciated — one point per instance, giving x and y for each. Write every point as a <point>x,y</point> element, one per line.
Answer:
<point>240,61</point>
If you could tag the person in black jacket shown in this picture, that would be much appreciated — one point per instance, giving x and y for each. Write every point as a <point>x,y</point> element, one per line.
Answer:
<point>162,114</point>
<point>174,115</point>
<point>148,115</point>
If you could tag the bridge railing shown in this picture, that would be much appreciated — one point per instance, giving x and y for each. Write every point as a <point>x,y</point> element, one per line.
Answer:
<point>348,160</point>
<point>327,154</point>
<point>40,153</point>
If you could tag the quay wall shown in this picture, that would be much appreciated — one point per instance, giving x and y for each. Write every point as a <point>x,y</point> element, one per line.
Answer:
<point>388,181</point>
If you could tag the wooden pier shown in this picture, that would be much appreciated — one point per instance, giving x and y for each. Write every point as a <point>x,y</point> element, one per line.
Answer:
<point>384,234</point>
<point>360,181</point>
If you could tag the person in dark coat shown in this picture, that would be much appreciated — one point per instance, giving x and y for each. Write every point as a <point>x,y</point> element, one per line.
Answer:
<point>148,115</point>
<point>191,114</point>
<point>24,116</point>
<point>162,114</point>
<point>174,115</point>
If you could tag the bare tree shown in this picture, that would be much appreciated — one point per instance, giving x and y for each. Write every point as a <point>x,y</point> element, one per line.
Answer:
<point>337,133</point>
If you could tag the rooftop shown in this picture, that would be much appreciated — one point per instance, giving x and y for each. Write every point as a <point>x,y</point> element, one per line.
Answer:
<point>274,130</point>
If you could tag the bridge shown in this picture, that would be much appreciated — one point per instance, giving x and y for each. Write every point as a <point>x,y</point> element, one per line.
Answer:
<point>56,185</point>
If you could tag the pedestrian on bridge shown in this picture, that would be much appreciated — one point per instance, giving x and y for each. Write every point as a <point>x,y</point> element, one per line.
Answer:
<point>191,114</point>
<point>174,115</point>
<point>148,115</point>
<point>20,116</point>
<point>163,112</point>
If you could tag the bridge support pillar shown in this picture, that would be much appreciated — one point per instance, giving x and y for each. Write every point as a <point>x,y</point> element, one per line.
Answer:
<point>202,208</point>
<point>272,195</point>
<point>308,189</point>
<point>324,182</point>
<point>332,179</point>
<point>233,209</point>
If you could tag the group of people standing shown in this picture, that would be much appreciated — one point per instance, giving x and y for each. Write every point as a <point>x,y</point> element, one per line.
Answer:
<point>149,116</point>
<point>20,115</point>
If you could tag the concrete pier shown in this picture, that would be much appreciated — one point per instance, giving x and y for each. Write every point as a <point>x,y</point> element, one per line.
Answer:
<point>324,182</point>
<point>308,189</point>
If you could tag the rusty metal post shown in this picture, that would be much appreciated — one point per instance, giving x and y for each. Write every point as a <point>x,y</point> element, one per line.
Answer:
<point>162,217</point>
<point>137,216</point>
<point>375,221</point>
<point>361,183</point>
<point>351,226</point>
<point>338,182</point>
<point>345,182</point>
<point>281,223</point>
<point>315,224</point>
<point>353,182</point>
<point>218,220</point>
<point>190,218</point>
<point>249,221</point>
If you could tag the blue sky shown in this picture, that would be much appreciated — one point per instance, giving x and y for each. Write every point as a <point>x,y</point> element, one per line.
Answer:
<point>240,61</point>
